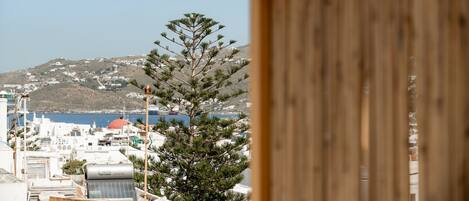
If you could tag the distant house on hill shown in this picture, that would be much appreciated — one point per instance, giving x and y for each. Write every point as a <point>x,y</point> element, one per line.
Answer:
<point>53,82</point>
<point>58,63</point>
<point>12,86</point>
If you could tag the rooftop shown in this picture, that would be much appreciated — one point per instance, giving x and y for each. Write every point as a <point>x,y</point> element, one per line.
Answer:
<point>6,177</point>
<point>117,124</point>
<point>5,147</point>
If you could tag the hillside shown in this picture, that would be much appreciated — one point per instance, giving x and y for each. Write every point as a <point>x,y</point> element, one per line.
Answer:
<point>99,84</point>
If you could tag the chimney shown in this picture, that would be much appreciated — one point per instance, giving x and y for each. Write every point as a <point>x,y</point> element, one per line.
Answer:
<point>3,119</point>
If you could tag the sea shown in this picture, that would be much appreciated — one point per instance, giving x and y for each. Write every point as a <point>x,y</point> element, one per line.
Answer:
<point>103,119</point>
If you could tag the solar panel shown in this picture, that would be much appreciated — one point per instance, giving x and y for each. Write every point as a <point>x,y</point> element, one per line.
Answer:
<point>112,188</point>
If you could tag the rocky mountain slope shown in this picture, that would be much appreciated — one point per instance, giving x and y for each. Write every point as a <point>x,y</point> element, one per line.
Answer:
<point>99,84</point>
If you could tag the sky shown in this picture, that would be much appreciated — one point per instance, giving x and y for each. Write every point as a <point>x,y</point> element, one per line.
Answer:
<point>33,32</point>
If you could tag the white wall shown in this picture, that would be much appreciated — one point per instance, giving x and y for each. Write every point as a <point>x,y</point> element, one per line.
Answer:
<point>13,191</point>
<point>55,166</point>
<point>3,119</point>
<point>6,158</point>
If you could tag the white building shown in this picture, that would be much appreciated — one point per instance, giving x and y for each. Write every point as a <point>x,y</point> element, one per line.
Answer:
<point>43,166</point>
<point>107,155</point>
<point>40,165</point>
<point>6,157</point>
<point>3,119</point>
<point>62,136</point>
<point>11,188</point>
<point>13,86</point>
<point>58,63</point>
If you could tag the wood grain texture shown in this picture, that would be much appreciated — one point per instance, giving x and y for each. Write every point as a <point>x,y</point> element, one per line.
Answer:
<point>389,57</point>
<point>316,91</point>
<point>310,62</point>
<point>442,62</point>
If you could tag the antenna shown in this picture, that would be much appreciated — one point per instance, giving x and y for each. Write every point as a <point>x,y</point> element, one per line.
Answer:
<point>123,112</point>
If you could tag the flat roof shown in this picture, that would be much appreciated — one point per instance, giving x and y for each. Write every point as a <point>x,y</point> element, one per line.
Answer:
<point>6,177</point>
<point>4,147</point>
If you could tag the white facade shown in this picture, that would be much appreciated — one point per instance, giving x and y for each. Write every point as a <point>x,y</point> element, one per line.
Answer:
<point>40,164</point>
<point>109,156</point>
<point>13,191</point>
<point>63,136</point>
<point>11,188</point>
<point>58,136</point>
<point>3,119</point>
<point>6,157</point>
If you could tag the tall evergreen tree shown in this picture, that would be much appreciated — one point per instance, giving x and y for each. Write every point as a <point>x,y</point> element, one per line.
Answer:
<point>201,160</point>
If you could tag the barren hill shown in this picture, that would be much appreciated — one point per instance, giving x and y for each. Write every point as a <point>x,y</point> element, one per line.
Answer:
<point>99,84</point>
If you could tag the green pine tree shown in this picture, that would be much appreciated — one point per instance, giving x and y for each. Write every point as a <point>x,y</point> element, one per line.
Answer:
<point>201,160</point>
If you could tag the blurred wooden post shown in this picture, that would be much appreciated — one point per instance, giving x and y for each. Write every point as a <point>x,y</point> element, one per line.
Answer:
<point>307,87</point>
<point>260,96</point>
<point>148,93</point>
<point>442,62</point>
<point>389,55</point>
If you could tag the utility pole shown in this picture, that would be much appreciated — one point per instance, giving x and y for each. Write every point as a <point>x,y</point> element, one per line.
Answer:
<point>123,131</point>
<point>25,113</point>
<point>147,105</point>
<point>15,129</point>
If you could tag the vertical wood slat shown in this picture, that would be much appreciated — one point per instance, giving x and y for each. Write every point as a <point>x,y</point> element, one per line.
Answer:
<point>388,59</point>
<point>315,100</point>
<point>278,142</point>
<point>260,97</point>
<point>442,62</point>
<point>345,102</point>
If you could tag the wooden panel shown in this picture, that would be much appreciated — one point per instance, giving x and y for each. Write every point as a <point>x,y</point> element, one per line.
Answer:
<point>279,142</point>
<point>344,113</point>
<point>442,59</point>
<point>52,198</point>
<point>307,118</point>
<point>388,60</point>
<point>315,100</point>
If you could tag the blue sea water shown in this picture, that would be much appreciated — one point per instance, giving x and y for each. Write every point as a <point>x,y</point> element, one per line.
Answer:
<point>103,119</point>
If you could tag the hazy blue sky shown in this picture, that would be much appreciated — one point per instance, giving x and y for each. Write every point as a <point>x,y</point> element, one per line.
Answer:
<point>35,31</point>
